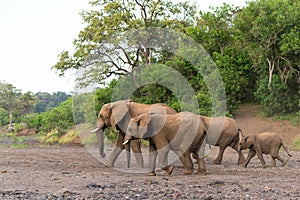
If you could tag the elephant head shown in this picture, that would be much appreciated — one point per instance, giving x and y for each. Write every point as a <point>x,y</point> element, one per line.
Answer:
<point>144,126</point>
<point>247,142</point>
<point>114,114</point>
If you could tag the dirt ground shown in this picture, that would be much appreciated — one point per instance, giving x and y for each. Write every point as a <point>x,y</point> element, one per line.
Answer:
<point>72,172</point>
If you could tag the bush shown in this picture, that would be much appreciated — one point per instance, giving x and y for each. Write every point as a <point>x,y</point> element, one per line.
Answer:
<point>58,119</point>
<point>279,98</point>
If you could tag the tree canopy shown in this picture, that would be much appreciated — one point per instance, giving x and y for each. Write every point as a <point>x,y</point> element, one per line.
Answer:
<point>256,49</point>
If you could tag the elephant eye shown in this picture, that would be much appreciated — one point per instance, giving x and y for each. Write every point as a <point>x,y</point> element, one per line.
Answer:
<point>129,129</point>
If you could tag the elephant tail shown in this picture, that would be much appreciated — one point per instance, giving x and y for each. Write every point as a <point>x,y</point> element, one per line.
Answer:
<point>286,150</point>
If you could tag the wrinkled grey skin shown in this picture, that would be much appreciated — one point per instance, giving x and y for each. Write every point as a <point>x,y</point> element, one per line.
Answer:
<point>222,132</point>
<point>263,143</point>
<point>182,133</point>
<point>117,115</point>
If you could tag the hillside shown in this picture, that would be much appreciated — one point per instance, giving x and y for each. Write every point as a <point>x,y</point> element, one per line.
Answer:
<point>247,119</point>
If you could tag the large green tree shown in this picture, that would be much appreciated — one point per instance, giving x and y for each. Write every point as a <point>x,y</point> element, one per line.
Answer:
<point>271,34</point>
<point>106,22</point>
<point>216,31</point>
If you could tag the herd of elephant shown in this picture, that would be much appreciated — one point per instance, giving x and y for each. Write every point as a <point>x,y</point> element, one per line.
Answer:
<point>185,133</point>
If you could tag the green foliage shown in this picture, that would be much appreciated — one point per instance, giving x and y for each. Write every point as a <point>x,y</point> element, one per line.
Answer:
<point>48,101</point>
<point>19,146</point>
<point>279,98</point>
<point>270,31</point>
<point>59,119</point>
<point>4,117</point>
<point>51,137</point>
<point>105,23</point>
<point>68,137</point>
<point>256,50</point>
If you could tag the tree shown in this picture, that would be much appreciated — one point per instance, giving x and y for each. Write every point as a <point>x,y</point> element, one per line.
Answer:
<point>47,101</point>
<point>271,34</point>
<point>27,102</point>
<point>106,23</point>
<point>9,99</point>
<point>219,36</point>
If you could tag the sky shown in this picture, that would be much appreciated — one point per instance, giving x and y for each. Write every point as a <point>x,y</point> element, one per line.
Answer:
<point>34,32</point>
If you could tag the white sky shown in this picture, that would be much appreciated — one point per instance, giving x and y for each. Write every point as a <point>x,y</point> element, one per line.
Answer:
<point>34,32</point>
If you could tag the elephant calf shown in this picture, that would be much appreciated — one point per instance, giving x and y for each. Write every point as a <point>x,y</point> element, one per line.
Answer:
<point>183,133</point>
<point>263,143</point>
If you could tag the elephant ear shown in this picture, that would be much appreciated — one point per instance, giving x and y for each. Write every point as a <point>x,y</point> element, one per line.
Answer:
<point>143,122</point>
<point>119,115</point>
<point>250,140</point>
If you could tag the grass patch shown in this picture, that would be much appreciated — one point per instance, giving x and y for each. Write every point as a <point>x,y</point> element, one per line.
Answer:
<point>18,146</point>
<point>296,144</point>
<point>69,137</point>
<point>51,137</point>
<point>294,118</point>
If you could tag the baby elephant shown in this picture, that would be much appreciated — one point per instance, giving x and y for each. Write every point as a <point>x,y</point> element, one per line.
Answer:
<point>263,143</point>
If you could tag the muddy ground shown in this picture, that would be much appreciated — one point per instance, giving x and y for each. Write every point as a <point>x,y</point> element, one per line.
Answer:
<point>72,172</point>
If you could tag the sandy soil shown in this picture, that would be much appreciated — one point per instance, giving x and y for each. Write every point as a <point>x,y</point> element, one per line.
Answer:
<point>72,172</point>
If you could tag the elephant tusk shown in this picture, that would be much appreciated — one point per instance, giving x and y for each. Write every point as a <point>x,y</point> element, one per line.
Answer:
<point>125,142</point>
<point>95,130</point>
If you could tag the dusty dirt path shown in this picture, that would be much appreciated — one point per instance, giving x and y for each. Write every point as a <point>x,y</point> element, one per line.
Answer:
<point>73,173</point>
<point>250,124</point>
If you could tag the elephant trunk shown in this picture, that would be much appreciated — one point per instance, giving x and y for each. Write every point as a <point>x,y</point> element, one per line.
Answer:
<point>100,140</point>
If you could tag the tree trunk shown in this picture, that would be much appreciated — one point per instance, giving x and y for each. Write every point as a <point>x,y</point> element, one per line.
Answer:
<point>271,70</point>
<point>10,128</point>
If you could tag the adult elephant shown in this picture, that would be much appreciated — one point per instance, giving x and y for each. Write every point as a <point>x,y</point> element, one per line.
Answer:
<point>117,115</point>
<point>222,132</point>
<point>183,133</point>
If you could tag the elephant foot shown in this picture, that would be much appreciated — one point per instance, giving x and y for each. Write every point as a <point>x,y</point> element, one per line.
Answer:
<point>103,155</point>
<point>188,171</point>
<point>201,172</point>
<point>240,162</point>
<point>169,169</point>
<point>140,166</point>
<point>110,165</point>
<point>217,162</point>
<point>151,174</point>
<point>284,163</point>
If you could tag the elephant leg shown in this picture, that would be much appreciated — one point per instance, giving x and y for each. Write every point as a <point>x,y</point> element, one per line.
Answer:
<point>162,159</point>
<point>241,157</point>
<point>219,158</point>
<point>201,166</point>
<point>152,158</point>
<point>202,150</point>
<point>251,154</point>
<point>116,151</point>
<point>136,148</point>
<point>128,156</point>
<point>273,161</point>
<point>261,158</point>
<point>187,162</point>
<point>283,162</point>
